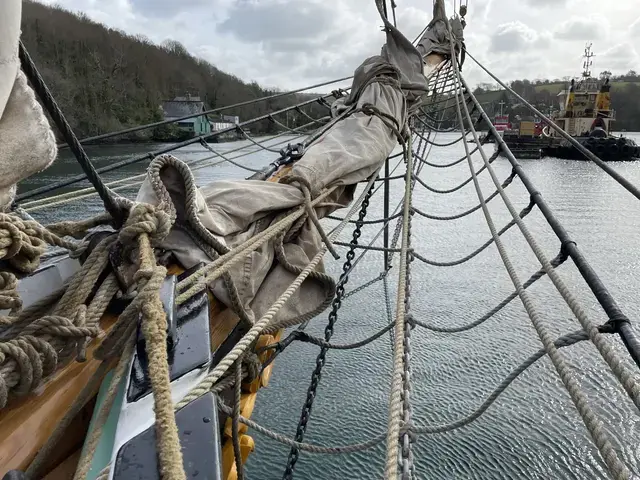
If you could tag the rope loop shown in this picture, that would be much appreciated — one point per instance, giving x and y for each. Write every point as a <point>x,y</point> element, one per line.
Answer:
<point>145,218</point>
<point>21,243</point>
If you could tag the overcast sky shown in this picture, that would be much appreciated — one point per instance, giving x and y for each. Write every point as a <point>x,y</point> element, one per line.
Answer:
<point>293,43</point>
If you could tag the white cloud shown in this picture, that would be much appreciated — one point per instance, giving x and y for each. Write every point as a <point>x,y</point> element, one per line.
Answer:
<point>583,29</point>
<point>514,37</point>
<point>292,43</point>
<point>621,58</point>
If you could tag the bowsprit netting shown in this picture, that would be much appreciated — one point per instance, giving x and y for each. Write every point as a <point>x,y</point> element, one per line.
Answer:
<point>449,101</point>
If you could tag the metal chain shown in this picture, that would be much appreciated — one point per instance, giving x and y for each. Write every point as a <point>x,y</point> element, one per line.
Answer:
<point>294,453</point>
<point>407,438</point>
<point>389,308</point>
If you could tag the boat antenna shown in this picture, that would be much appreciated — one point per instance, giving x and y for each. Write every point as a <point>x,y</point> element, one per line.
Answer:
<point>588,55</point>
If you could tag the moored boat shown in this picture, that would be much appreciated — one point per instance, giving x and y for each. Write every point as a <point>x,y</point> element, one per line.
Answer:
<point>585,113</point>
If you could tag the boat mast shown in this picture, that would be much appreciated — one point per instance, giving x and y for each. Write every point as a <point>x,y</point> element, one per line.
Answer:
<point>588,55</point>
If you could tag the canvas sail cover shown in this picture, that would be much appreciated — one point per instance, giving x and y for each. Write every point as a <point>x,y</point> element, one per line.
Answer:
<point>27,139</point>
<point>350,152</point>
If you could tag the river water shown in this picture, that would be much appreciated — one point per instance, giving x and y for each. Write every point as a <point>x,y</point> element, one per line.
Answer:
<point>532,431</point>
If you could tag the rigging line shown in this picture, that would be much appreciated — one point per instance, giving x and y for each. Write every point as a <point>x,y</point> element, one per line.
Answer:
<point>448,100</point>
<point>260,144</point>
<point>599,290</point>
<point>592,422</point>
<point>82,193</point>
<point>366,285</point>
<point>448,144</point>
<point>631,188</point>
<point>525,211</point>
<point>627,379</point>
<point>430,126</point>
<point>305,114</point>
<point>142,175</point>
<point>148,156</point>
<point>109,199</point>
<point>206,112</point>
<point>466,212</point>
<point>556,262</point>
<point>336,304</point>
<point>303,337</point>
<point>564,341</point>
<point>461,185</point>
<point>227,159</point>
<point>368,222</point>
<point>290,129</point>
<point>445,165</point>
<point>365,247</point>
<point>395,400</point>
<point>430,113</point>
<point>79,197</point>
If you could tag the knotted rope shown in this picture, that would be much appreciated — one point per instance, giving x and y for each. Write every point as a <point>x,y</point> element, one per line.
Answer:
<point>147,226</point>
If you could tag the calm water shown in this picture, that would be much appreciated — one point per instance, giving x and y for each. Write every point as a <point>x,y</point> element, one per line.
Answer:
<point>533,430</point>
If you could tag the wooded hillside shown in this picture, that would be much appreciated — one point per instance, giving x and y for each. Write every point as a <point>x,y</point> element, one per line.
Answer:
<point>106,80</point>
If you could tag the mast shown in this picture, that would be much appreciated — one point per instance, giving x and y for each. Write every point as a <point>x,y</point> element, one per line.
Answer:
<point>588,55</point>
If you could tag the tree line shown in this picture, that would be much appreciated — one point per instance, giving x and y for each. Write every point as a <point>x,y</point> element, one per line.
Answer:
<point>106,80</point>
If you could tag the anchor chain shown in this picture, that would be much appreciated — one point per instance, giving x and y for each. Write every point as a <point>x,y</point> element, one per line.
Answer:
<point>294,454</point>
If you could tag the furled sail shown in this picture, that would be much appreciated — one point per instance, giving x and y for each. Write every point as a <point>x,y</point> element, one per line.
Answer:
<point>27,139</point>
<point>385,89</point>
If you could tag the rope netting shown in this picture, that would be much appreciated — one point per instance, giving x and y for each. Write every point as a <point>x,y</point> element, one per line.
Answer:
<point>36,341</point>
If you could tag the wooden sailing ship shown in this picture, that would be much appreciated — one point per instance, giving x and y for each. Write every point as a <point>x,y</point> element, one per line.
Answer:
<point>85,406</point>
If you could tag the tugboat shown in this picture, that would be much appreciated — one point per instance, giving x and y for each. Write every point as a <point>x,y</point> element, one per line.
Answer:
<point>585,114</point>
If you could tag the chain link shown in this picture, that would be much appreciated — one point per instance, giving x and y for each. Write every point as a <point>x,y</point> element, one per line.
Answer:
<point>407,438</point>
<point>294,453</point>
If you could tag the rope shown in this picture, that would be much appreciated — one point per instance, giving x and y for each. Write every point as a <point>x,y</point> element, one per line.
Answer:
<point>224,263</point>
<point>525,211</point>
<point>36,341</point>
<point>395,401</point>
<point>446,165</point>
<point>557,261</point>
<point>235,420</point>
<point>149,278</point>
<point>429,216</point>
<point>458,187</point>
<point>305,187</point>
